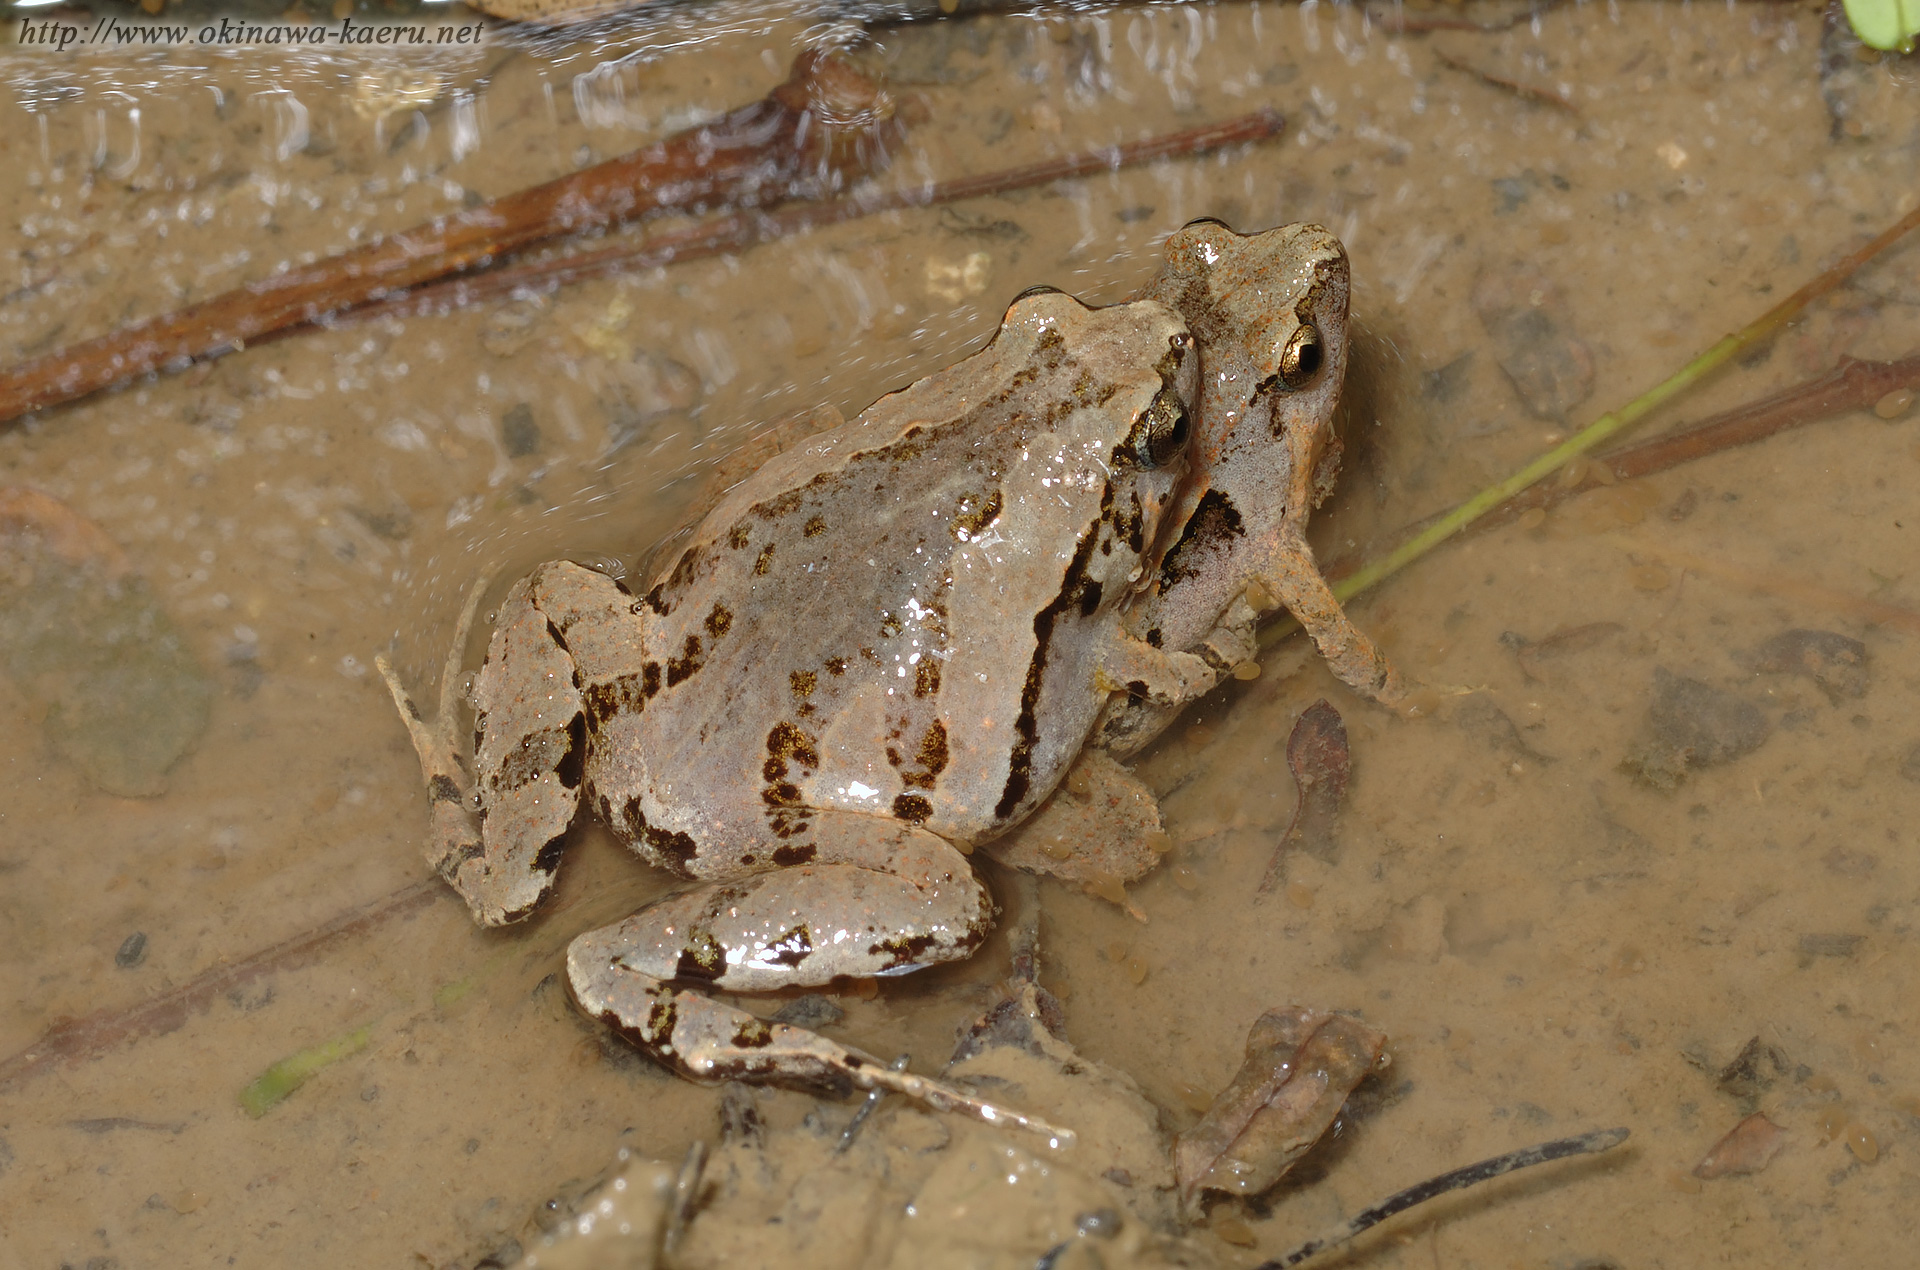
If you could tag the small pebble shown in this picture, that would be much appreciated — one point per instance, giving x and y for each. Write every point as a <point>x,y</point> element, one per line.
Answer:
<point>1186,879</point>
<point>1079,784</point>
<point>1137,971</point>
<point>133,951</point>
<point>1247,670</point>
<point>1159,841</point>
<point>1894,404</point>
<point>1109,888</point>
<point>1747,1148</point>
<point>1860,1141</point>
<point>1056,849</point>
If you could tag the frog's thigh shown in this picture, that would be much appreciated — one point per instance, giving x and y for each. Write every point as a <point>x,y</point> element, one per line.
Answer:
<point>1295,581</point>
<point>877,897</point>
<point>531,738</point>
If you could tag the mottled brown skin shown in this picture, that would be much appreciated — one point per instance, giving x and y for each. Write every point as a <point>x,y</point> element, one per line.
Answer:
<point>1269,313</point>
<point>890,642</point>
<point>890,639</point>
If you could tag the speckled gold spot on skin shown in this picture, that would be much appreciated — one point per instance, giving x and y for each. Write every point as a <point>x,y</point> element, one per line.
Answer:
<point>802,683</point>
<point>739,536</point>
<point>926,678</point>
<point>815,527</point>
<point>765,562</point>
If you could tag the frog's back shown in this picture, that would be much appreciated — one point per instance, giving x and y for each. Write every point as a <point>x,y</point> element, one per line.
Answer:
<point>862,623</point>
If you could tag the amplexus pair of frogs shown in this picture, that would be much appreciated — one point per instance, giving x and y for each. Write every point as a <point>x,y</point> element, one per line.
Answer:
<point>892,641</point>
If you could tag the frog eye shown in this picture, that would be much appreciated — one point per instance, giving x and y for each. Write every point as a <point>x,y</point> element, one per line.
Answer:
<point>1038,289</point>
<point>1160,436</point>
<point>1300,359</point>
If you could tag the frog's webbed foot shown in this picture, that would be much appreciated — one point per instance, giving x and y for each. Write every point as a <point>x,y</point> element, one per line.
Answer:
<point>1100,829</point>
<point>497,834</point>
<point>706,1040</point>
<point>455,831</point>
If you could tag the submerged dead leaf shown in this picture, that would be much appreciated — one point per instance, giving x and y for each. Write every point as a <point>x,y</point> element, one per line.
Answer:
<point>1694,724</point>
<point>83,637</point>
<point>1560,643</point>
<point>1301,1064</point>
<point>1531,327</point>
<point>1749,1147</point>
<point>1320,761</point>
<point>1836,662</point>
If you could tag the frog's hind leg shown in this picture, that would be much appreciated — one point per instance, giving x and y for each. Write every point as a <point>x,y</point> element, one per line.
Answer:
<point>885,897</point>
<point>856,895</point>
<point>455,830</point>
<point>708,1041</point>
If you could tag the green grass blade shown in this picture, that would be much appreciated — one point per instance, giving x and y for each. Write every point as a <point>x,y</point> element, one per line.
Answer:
<point>272,1086</point>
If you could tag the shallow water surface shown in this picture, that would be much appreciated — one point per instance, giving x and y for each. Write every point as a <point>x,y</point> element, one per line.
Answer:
<point>1561,925</point>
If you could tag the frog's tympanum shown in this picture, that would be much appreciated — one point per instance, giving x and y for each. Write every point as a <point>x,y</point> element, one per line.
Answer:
<point>891,641</point>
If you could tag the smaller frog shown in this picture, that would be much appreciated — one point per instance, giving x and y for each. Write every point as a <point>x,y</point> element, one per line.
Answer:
<point>1269,316</point>
<point>884,646</point>
<point>1269,313</point>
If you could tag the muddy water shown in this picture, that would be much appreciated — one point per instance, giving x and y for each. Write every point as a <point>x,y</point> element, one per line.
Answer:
<point>1554,940</point>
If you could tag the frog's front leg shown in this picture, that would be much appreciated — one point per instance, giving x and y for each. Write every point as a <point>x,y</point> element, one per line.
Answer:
<point>1164,677</point>
<point>1294,580</point>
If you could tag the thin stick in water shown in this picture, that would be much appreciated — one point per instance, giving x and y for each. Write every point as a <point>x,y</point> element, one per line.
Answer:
<point>1459,1179</point>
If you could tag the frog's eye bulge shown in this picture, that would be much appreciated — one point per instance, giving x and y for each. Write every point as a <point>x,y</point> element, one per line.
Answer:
<point>1301,359</point>
<point>1040,288</point>
<point>1160,435</point>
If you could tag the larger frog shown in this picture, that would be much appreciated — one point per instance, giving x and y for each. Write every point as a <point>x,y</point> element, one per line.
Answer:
<point>885,646</point>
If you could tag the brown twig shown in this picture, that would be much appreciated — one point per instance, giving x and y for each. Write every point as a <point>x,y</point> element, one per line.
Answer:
<point>1851,385</point>
<point>741,230</point>
<point>96,1033</point>
<point>827,121</point>
<point>1397,21</point>
<point>1519,88</point>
